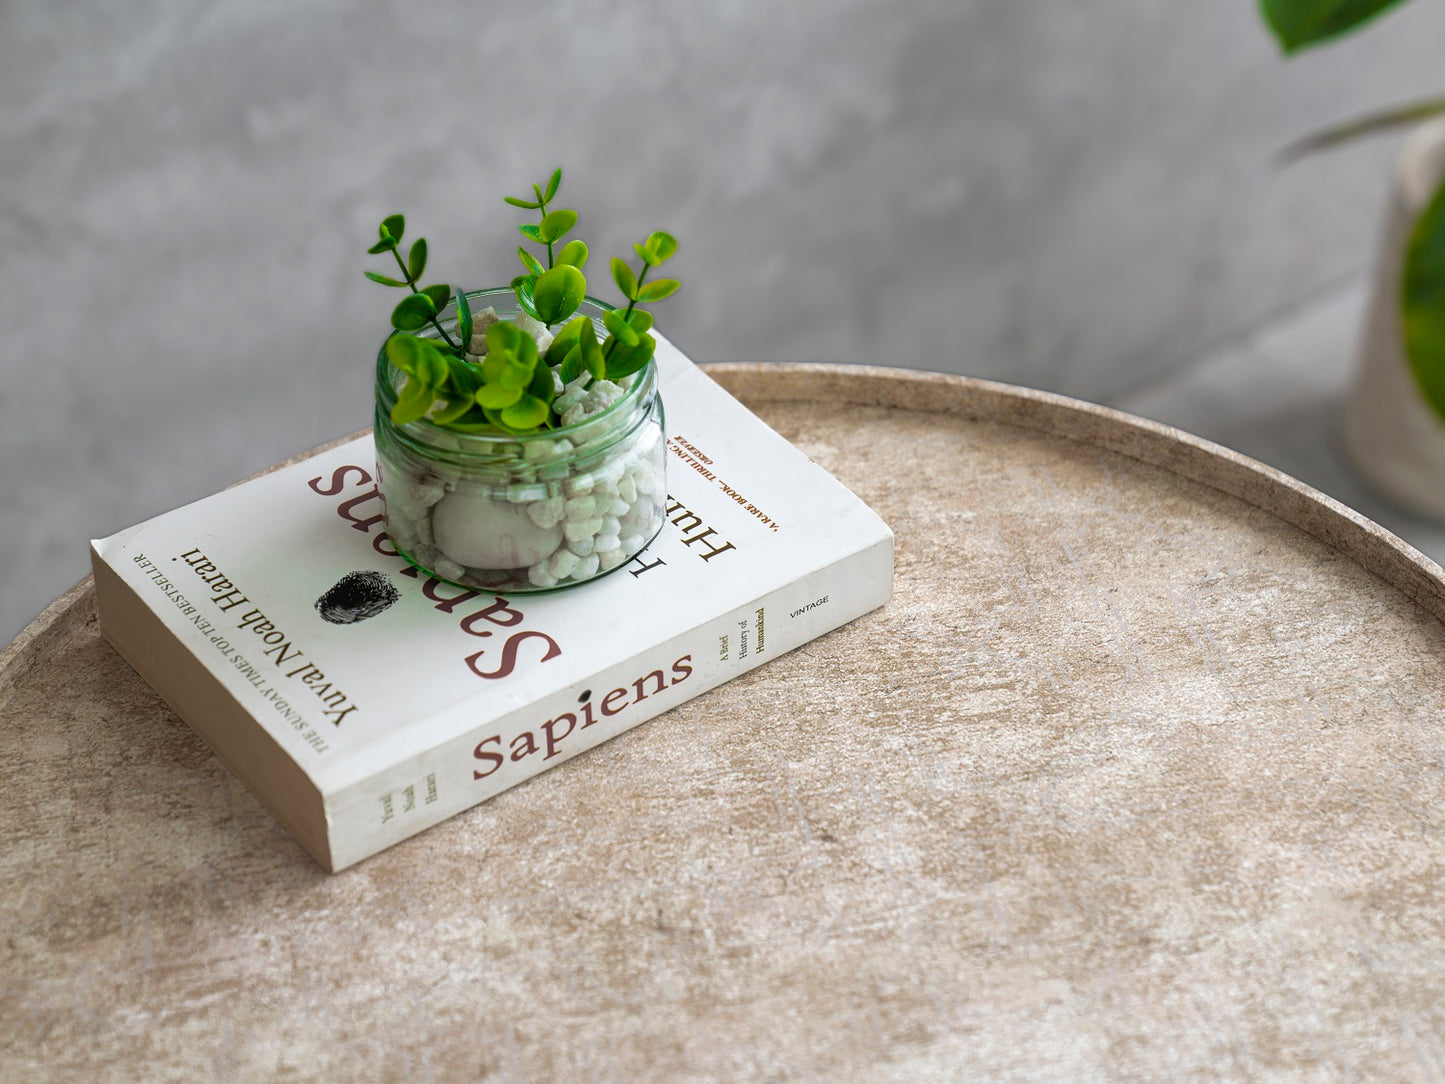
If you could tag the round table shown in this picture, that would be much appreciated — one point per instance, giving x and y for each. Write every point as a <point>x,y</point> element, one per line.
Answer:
<point>1140,774</point>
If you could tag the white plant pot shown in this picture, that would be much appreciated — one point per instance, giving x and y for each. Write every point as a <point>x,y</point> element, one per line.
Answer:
<point>1394,440</point>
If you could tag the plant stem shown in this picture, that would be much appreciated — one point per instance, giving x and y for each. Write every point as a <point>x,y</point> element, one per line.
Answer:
<point>542,210</point>
<point>406,274</point>
<point>631,304</point>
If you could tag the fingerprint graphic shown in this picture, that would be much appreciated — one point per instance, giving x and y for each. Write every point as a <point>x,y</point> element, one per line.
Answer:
<point>355,597</point>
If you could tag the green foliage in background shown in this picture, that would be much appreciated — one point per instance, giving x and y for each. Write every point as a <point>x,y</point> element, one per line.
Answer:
<point>1299,24</point>
<point>1422,299</point>
<point>511,389</point>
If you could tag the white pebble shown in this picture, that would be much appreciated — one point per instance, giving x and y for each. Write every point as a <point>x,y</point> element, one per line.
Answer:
<point>586,568</point>
<point>582,547</point>
<point>538,576</point>
<point>606,389</point>
<point>448,569</point>
<point>547,513</point>
<point>480,322</point>
<point>578,529</point>
<point>610,559</point>
<point>561,563</point>
<point>534,328</point>
<point>581,507</point>
<point>627,489</point>
<point>606,542</point>
<point>402,532</point>
<point>618,507</point>
<point>649,480</point>
<point>425,492</point>
<point>610,525</point>
<point>611,472</point>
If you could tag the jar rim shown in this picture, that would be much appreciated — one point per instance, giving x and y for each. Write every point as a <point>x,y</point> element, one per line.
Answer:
<point>643,381</point>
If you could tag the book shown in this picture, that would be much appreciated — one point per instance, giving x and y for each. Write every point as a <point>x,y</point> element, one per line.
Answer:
<point>362,701</point>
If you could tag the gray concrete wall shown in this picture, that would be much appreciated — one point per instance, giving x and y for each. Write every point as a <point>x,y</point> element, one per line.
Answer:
<point>1080,197</point>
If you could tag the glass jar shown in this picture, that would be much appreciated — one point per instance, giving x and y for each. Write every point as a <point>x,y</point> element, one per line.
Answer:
<point>511,514</point>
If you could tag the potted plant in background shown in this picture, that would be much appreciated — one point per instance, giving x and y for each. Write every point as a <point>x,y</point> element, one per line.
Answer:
<point>519,430</point>
<point>1394,422</point>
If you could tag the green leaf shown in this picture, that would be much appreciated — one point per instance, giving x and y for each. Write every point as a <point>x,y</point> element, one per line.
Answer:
<point>528,412</point>
<point>416,259</point>
<point>393,226</point>
<point>383,279</point>
<point>625,361</point>
<point>541,385</point>
<point>421,359</point>
<point>572,365</point>
<point>658,289</point>
<point>573,253</point>
<point>478,421</point>
<point>565,340</point>
<point>440,294</point>
<point>509,346</point>
<point>413,312</point>
<point>552,185</point>
<point>456,407</point>
<point>494,365</point>
<point>592,357</point>
<point>464,318</point>
<point>403,352</point>
<point>640,320</point>
<point>525,204</point>
<point>413,402</point>
<point>386,244</point>
<point>497,396</point>
<point>558,292</point>
<point>529,261</point>
<point>1301,23</point>
<point>431,364</point>
<point>620,328</point>
<point>526,349</point>
<point>502,338</point>
<point>531,232</point>
<point>504,370</point>
<point>647,256</point>
<point>662,245</point>
<point>522,286</point>
<point>463,377</point>
<point>625,279</point>
<point>555,226</point>
<point>1422,302</point>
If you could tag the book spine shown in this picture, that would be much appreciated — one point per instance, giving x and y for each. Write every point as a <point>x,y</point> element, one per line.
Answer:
<point>433,784</point>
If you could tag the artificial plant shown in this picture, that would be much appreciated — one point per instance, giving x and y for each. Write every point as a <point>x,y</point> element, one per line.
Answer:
<point>510,386</point>
<point>1299,24</point>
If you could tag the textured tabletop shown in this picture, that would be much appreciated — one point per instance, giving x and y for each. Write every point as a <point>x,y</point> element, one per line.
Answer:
<point>1140,774</point>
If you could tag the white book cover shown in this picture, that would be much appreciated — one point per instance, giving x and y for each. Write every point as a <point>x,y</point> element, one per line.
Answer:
<point>263,615</point>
